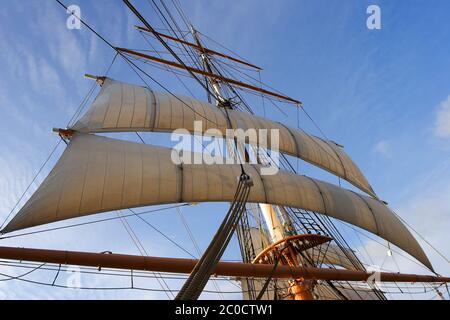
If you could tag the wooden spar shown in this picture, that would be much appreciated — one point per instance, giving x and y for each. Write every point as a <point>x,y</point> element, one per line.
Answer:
<point>201,49</point>
<point>64,133</point>
<point>179,265</point>
<point>208,74</point>
<point>100,80</point>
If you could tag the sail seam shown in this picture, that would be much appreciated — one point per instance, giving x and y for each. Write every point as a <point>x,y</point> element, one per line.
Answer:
<point>297,147</point>
<point>340,160</point>
<point>159,174</point>
<point>141,153</point>
<point>333,160</point>
<point>105,85</point>
<point>104,178</point>
<point>125,147</point>
<point>152,109</point>
<point>256,169</point>
<point>183,116</point>
<point>171,112</point>
<point>370,209</point>
<point>132,123</point>
<point>325,211</point>
<point>86,169</point>
<point>121,105</point>
<point>215,113</point>
<point>204,116</point>
<point>60,191</point>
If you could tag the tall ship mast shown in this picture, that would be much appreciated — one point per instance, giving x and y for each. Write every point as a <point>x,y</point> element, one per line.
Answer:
<point>283,220</point>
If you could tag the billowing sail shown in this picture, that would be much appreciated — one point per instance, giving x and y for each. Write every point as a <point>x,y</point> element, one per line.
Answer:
<point>259,242</point>
<point>124,107</point>
<point>99,174</point>
<point>333,255</point>
<point>353,292</point>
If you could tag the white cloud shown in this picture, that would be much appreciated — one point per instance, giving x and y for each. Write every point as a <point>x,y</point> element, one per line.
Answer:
<point>442,122</point>
<point>382,148</point>
<point>426,208</point>
<point>65,46</point>
<point>40,72</point>
<point>428,212</point>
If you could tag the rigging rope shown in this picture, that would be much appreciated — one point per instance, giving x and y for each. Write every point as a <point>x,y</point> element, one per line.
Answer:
<point>423,238</point>
<point>22,275</point>
<point>88,95</point>
<point>89,222</point>
<point>130,62</point>
<point>168,68</point>
<point>133,65</point>
<point>148,26</point>
<point>119,273</point>
<point>72,119</point>
<point>269,279</point>
<point>202,271</point>
<point>197,248</point>
<point>143,253</point>
<point>32,181</point>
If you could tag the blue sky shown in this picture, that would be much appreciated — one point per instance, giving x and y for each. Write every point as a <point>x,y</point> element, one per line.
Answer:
<point>383,94</point>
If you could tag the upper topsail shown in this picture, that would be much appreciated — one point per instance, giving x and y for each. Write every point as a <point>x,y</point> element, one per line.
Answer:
<point>121,107</point>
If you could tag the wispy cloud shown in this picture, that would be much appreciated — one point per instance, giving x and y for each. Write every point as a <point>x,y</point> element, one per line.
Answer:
<point>442,121</point>
<point>427,210</point>
<point>383,149</point>
<point>45,54</point>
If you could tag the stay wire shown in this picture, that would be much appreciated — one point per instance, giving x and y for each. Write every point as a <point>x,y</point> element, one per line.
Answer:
<point>169,276</point>
<point>135,239</point>
<point>89,222</point>
<point>142,19</point>
<point>31,183</point>
<point>194,242</point>
<point>89,94</point>
<point>423,238</point>
<point>168,68</point>
<point>161,233</point>
<point>136,66</point>
<point>22,275</point>
<point>267,282</point>
<point>164,20</point>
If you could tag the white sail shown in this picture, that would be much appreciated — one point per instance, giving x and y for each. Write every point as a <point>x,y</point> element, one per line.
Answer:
<point>124,107</point>
<point>98,174</point>
<point>259,242</point>
<point>333,255</point>
<point>354,292</point>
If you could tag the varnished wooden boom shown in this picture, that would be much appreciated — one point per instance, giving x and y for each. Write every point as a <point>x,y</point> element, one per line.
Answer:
<point>208,74</point>
<point>201,49</point>
<point>178,265</point>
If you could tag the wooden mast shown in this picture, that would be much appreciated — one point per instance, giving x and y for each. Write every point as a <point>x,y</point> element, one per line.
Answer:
<point>178,265</point>
<point>300,288</point>
<point>203,54</point>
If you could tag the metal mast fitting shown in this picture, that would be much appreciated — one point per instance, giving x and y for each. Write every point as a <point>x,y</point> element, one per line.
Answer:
<point>288,252</point>
<point>221,101</point>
